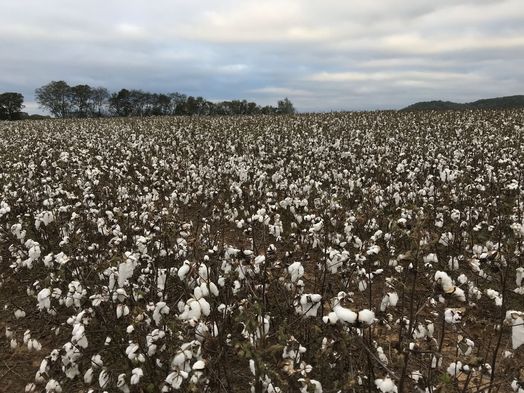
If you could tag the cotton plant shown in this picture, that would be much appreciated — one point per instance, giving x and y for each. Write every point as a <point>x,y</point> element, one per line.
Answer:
<point>516,319</point>
<point>160,227</point>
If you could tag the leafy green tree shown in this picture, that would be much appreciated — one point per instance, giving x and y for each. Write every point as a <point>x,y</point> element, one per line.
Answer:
<point>11,105</point>
<point>285,106</point>
<point>120,103</point>
<point>55,97</point>
<point>81,100</point>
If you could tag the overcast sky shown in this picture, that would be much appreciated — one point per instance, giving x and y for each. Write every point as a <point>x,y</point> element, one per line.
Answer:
<point>323,55</point>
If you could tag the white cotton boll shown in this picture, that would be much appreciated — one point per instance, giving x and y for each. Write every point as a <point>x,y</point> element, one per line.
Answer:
<point>205,289</point>
<point>88,376</point>
<point>382,356</point>
<point>176,378</point>
<point>197,293</point>
<point>362,285</point>
<point>199,365</point>
<point>121,383</point>
<point>121,310</point>
<point>8,332</point>
<point>79,336</point>
<point>161,308</point>
<point>30,387</point>
<point>386,385</point>
<point>184,269</point>
<point>296,271</point>
<point>462,279</point>
<point>331,318</point>
<point>136,374</point>
<point>19,313</point>
<point>178,360</point>
<point>390,299</point>
<point>519,276</point>
<point>213,289</point>
<point>192,310</point>
<point>53,386</point>
<point>516,319</point>
<point>416,375</point>
<point>13,343</point>
<point>393,299</point>
<point>459,294</point>
<point>454,368</point>
<point>452,315</point>
<point>308,305</point>
<point>345,314</point>
<point>34,252</point>
<point>72,371</point>
<point>103,379</point>
<point>33,344</point>
<point>366,316</point>
<point>131,351</point>
<point>517,386</point>
<point>203,271</point>
<point>494,295</point>
<point>44,300</point>
<point>252,367</point>
<point>445,281</point>
<point>205,307</point>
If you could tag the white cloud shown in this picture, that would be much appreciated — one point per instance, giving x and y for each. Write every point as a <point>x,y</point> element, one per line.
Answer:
<point>321,53</point>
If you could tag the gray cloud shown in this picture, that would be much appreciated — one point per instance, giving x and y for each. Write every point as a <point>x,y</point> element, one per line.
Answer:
<point>323,55</point>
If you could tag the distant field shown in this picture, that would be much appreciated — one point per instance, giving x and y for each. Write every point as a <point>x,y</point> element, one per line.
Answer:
<point>359,252</point>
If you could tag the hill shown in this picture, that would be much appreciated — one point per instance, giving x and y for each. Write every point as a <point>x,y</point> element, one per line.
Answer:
<point>509,102</point>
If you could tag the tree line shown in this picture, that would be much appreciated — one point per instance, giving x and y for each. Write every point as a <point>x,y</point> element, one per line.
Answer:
<point>82,101</point>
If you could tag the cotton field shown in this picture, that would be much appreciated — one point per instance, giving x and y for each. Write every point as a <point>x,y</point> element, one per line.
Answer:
<point>359,252</point>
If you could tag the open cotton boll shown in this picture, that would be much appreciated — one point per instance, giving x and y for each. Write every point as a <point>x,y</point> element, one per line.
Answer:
<point>213,289</point>
<point>53,386</point>
<point>308,304</point>
<point>389,299</point>
<point>517,386</point>
<point>345,314</point>
<point>176,378</point>
<point>88,376</point>
<point>519,277</point>
<point>44,299</point>
<point>184,269</point>
<point>161,308</point>
<point>331,318</point>
<point>296,271</point>
<point>494,295</point>
<point>445,281</point>
<point>136,374</point>
<point>310,386</point>
<point>453,315</point>
<point>386,385</point>
<point>454,368</point>
<point>516,319</point>
<point>366,316</point>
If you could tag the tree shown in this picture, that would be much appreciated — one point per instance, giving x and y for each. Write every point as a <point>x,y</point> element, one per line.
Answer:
<point>11,105</point>
<point>99,99</point>
<point>55,97</point>
<point>120,103</point>
<point>177,100</point>
<point>81,96</point>
<point>285,106</point>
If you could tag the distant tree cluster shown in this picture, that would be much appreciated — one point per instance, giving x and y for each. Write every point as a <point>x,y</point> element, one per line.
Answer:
<point>11,105</point>
<point>81,101</point>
